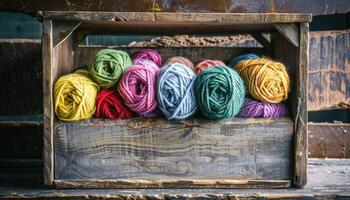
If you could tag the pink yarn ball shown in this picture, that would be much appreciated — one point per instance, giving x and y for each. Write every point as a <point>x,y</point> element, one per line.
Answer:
<point>148,54</point>
<point>181,60</point>
<point>137,87</point>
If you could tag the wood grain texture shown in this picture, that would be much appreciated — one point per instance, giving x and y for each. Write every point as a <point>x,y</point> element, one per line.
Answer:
<point>169,17</point>
<point>20,71</point>
<point>290,32</point>
<point>62,30</point>
<point>301,117</point>
<point>329,140</point>
<point>85,54</point>
<point>329,72</point>
<point>316,7</point>
<point>296,61</point>
<point>48,116</point>
<point>329,179</point>
<point>185,152</point>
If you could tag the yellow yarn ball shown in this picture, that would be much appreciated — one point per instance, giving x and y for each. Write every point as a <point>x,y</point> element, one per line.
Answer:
<point>75,96</point>
<point>266,80</point>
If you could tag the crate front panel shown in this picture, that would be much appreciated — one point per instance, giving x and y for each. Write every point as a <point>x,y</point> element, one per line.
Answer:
<point>157,149</point>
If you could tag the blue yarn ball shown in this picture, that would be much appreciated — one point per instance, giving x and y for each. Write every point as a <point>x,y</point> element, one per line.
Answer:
<point>175,91</point>
<point>237,59</point>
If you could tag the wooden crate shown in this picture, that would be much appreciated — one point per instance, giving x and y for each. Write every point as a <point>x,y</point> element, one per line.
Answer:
<point>196,153</point>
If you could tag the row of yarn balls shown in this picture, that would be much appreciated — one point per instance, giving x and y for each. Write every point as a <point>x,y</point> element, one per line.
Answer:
<point>114,86</point>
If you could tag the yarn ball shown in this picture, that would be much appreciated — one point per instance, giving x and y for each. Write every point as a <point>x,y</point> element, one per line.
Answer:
<point>266,80</point>
<point>175,91</point>
<point>237,59</point>
<point>253,108</point>
<point>137,87</point>
<point>110,105</point>
<point>74,96</point>
<point>219,92</point>
<point>181,60</point>
<point>207,63</point>
<point>108,66</point>
<point>148,54</point>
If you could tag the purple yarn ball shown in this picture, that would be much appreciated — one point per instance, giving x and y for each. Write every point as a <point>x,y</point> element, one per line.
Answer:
<point>148,54</point>
<point>253,108</point>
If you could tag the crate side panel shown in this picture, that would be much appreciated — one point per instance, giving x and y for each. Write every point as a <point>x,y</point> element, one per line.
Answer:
<point>159,149</point>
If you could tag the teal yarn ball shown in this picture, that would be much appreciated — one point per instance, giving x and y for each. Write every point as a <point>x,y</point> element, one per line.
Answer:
<point>175,91</point>
<point>219,92</point>
<point>108,66</point>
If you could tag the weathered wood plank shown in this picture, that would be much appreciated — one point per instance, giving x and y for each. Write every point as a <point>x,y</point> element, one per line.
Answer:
<point>48,116</point>
<point>98,16</point>
<point>164,152</point>
<point>316,7</point>
<point>301,117</point>
<point>290,32</point>
<point>329,179</point>
<point>20,71</point>
<point>62,30</point>
<point>329,72</point>
<point>329,140</point>
<point>227,18</point>
<point>85,54</point>
<point>296,61</point>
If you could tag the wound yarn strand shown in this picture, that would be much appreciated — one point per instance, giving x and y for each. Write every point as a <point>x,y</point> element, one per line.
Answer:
<point>206,64</point>
<point>181,60</point>
<point>175,91</point>
<point>137,87</point>
<point>74,96</point>
<point>253,108</point>
<point>110,105</point>
<point>219,92</point>
<point>148,54</point>
<point>266,80</point>
<point>108,66</point>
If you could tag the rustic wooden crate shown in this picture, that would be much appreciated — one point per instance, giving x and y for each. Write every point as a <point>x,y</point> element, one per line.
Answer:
<point>196,153</point>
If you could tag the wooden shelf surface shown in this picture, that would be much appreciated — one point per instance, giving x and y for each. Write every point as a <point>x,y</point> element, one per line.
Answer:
<point>327,178</point>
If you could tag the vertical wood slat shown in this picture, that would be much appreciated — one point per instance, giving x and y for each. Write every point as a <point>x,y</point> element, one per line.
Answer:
<point>48,116</point>
<point>300,132</point>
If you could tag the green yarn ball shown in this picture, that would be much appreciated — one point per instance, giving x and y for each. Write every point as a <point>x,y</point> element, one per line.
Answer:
<point>220,92</point>
<point>108,66</point>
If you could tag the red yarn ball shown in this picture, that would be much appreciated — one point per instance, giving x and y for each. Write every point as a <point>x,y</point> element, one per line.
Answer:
<point>109,105</point>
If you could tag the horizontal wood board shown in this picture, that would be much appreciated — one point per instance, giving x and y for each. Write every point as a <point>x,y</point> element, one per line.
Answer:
<point>329,179</point>
<point>316,7</point>
<point>329,140</point>
<point>146,149</point>
<point>170,17</point>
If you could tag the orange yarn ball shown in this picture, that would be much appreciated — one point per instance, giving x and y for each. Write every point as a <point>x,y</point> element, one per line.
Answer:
<point>207,63</point>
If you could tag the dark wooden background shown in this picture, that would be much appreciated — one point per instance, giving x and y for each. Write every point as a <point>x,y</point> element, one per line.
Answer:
<point>21,70</point>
